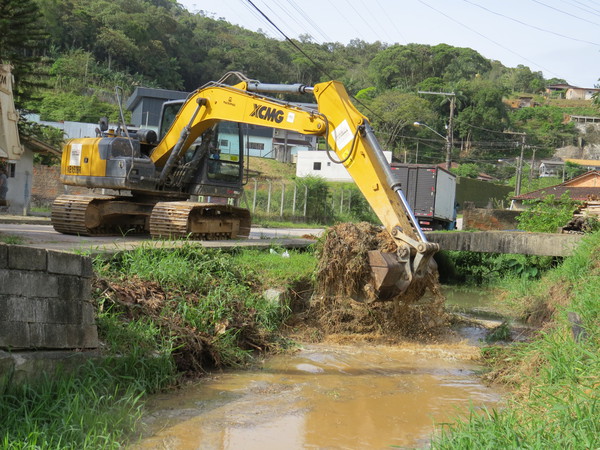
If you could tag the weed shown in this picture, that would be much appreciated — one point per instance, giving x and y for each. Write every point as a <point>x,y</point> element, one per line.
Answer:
<point>12,240</point>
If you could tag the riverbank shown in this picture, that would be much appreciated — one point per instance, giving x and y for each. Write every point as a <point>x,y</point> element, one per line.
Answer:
<point>176,311</point>
<point>555,377</point>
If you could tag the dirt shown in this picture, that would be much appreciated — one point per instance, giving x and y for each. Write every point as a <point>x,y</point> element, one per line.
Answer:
<point>344,300</point>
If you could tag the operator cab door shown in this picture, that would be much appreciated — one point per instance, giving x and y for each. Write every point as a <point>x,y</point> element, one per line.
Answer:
<point>221,169</point>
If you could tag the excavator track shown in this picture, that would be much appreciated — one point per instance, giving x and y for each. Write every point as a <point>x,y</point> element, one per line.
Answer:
<point>201,221</point>
<point>99,215</point>
<point>69,213</point>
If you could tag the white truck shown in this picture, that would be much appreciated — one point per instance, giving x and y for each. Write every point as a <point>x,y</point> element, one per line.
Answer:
<point>431,193</point>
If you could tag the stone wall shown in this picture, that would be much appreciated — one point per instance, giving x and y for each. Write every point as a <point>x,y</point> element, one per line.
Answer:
<point>45,300</point>
<point>489,219</point>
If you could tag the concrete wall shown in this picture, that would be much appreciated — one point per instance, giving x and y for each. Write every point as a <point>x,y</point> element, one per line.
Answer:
<point>45,300</point>
<point>19,186</point>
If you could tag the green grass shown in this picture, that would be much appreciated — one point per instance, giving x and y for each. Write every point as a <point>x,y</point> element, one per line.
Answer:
<point>212,297</point>
<point>99,406</point>
<point>273,269</point>
<point>217,295</point>
<point>556,377</point>
<point>11,240</point>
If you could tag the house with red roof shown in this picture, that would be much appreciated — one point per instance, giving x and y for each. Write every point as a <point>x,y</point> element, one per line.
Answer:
<point>581,188</point>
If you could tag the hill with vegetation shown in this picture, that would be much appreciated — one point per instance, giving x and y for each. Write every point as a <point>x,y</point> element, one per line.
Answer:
<point>70,54</point>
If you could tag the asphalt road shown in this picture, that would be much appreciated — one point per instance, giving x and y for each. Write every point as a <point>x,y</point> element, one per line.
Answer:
<point>43,236</point>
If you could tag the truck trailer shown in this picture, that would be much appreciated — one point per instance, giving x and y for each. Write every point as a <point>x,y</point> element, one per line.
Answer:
<point>431,193</point>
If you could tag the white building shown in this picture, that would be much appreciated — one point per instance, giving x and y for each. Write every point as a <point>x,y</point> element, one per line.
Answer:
<point>317,163</point>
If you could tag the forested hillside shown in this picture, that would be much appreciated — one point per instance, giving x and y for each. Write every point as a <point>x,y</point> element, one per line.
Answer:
<point>70,54</point>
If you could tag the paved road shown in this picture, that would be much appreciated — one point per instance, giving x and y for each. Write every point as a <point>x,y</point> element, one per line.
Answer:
<point>44,236</point>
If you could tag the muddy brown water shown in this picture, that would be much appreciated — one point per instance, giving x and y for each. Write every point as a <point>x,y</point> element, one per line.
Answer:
<point>327,395</point>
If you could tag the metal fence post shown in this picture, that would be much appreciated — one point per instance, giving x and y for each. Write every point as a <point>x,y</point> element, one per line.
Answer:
<point>282,199</point>
<point>269,197</point>
<point>294,201</point>
<point>254,196</point>
<point>305,199</point>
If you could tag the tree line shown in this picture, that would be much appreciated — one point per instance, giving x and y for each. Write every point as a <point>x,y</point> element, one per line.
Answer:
<point>69,55</point>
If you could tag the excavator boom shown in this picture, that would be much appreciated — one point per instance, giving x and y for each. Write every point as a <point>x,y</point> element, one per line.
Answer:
<point>161,171</point>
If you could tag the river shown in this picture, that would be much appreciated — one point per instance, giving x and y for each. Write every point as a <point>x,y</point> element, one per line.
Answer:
<point>326,395</point>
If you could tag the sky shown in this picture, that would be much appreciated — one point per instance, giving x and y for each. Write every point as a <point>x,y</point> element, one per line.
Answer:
<point>560,38</point>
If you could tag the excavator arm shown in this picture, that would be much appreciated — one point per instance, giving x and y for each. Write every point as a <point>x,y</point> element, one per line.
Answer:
<point>349,136</point>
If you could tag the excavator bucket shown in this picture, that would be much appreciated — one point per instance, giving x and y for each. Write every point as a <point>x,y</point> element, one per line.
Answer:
<point>387,271</point>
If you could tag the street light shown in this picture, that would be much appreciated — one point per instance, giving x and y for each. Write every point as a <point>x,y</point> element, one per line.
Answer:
<point>445,138</point>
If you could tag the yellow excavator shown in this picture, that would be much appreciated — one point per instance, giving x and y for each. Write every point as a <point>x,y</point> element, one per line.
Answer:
<point>194,153</point>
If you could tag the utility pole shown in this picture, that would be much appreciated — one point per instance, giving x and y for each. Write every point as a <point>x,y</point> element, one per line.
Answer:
<point>449,137</point>
<point>520,162</point>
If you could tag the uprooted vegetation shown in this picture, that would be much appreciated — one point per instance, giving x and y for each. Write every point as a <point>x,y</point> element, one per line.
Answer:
<point>207,307</point>
<point>213,308</point>
<point>344,300</point>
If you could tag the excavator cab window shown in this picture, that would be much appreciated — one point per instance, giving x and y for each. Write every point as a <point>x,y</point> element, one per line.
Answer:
<point>167,116</point>
<point>225,153</point>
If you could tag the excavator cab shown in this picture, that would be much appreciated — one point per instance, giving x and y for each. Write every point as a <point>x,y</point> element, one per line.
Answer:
<point>213,166</point>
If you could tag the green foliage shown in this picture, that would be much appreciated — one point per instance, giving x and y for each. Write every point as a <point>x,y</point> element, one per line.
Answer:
<point>548,214</point>
<point>557,373</point>
<point>545,125</point>
<point>21,40</point>
<point>468,170</point>
<point>213,293</point>
<point>482,269</point>
<point>500,333</point>
<point>77,108</point>
<point>97,406</point>
<point>319,207</point>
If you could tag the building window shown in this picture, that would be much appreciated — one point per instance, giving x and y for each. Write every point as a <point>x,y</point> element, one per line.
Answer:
<point>256,146</point>
<point>317,166</point>
<point>11,169</point>
<point>224,143</point>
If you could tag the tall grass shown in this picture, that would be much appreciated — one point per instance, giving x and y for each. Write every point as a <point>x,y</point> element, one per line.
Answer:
<point>99,406</point>
<point>556,376</point>
<point>96,407</point>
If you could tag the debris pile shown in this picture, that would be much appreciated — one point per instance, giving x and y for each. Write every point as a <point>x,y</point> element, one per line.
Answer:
<point>345,301</point>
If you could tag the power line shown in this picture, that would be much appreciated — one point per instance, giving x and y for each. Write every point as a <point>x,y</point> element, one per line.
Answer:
<point>364,20</point>
<point>565,12</point>
<point>308,19</point>
<point>297,47</point>
<point>529,25</point>
<point>585,7</point>
<point>485,37</point>
<point>391,21</point>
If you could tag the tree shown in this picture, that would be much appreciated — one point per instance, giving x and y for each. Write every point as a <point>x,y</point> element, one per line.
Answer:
<point>21,38</point>
<point>393,112</point>
<point>468,170</point>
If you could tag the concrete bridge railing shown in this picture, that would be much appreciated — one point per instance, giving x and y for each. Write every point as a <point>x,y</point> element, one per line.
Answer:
<point>541,244</point>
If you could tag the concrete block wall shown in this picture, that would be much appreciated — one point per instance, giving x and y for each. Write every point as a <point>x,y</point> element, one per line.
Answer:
<point>45,300</point>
